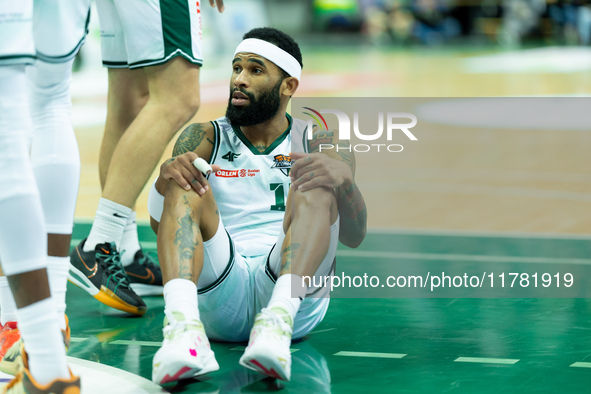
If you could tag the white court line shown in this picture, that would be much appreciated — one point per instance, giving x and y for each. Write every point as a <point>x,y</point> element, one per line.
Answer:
<point>319,331</point>
<point>580,364</point>
<point>243,348</point>
<point>110,379</point>
<point>475,233</point>
<point>77,339</point>
<point>368,354</point>
<point>461,257</point>
<point>486,360</point>
<point>436,256</point>
<point>140,343</point>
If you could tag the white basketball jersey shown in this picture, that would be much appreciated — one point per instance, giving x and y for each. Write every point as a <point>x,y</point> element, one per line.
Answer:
<point>251,188</point>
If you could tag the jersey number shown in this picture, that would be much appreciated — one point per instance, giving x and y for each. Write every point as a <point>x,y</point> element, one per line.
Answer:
<point>279,189</point>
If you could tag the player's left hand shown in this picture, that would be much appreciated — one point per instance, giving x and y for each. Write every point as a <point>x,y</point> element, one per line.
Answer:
<point>318,170</point>
<point>218,3</point>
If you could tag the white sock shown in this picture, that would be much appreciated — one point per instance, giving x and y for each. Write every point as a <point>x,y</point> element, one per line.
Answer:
<point>7,305</point>
<point>282,296</point>
<point>109,223</point>
<point>57,271</point>
<point>180,295</point>
<point>130,242</point>
<point>43,341</point>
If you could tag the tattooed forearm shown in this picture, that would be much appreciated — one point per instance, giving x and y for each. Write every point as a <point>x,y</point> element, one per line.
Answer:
<point>321,138</point>
<point>353,213</point>
<point>189,139</point>
<point>343,149</point>
<point>186,241</point>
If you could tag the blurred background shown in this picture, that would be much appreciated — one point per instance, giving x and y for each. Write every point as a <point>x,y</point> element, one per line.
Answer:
<point>404,48</point>
<point>472,195</point>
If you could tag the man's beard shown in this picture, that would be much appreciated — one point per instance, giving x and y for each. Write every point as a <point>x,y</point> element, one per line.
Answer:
<point>257,111</point>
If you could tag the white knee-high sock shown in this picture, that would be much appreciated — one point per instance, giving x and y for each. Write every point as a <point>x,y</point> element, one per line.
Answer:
<point>43,341</point>
<point>7,305</point>
<point>109,223</point>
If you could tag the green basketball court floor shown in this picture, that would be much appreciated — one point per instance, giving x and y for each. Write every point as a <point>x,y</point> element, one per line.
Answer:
<point>375,345</point>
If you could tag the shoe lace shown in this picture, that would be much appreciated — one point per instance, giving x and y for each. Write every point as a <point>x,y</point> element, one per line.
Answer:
<point>147,261</point>
<point>172,329</point>
<point>273,323</point>
<point>17,379</point>
<point>112,263</point>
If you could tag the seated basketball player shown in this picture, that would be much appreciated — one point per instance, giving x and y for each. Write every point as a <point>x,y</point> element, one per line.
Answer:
<point>240,241</point>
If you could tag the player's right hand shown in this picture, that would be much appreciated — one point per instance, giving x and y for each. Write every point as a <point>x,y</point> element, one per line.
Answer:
<point>182,171</point>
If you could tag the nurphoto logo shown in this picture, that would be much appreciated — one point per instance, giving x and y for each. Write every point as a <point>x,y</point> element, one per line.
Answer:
<point>390,122</point>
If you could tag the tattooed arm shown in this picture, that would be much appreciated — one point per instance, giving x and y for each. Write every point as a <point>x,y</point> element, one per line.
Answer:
<point>195,141</point>
<point>335,169</point>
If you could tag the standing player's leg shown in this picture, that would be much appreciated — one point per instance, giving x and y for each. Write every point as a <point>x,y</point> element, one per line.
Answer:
<point>171,65</point>
<point>54,150</point>
<point>307,248</point>
<point>127,95</point>
<point>187,221</point>
<point>23,246</point>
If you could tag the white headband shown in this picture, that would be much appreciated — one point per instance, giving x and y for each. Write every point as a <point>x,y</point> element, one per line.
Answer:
<point>273,53</point>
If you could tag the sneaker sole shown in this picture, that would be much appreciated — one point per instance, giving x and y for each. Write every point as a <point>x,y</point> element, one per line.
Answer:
<point>144,290</point>
<point>185,372</point>
<point>264,365</point>
<point>104,295</point>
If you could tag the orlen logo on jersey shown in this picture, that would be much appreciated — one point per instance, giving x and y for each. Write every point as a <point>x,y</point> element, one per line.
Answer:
<point>345,129</point>
<point>283,162</point>
<point>242,173</point>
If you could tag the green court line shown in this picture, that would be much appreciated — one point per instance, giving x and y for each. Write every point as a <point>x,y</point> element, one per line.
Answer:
<point>141,343</point>
<point>368,354</point>
<point>485,360</point>
<point>580,364</point>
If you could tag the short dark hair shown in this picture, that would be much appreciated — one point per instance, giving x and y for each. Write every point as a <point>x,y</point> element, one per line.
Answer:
<point>278,38</point>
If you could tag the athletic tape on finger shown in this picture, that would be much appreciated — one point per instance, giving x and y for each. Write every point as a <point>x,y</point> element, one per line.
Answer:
<point>202,166</point>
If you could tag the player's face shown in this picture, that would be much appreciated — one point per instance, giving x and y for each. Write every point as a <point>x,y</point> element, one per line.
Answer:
<point>254,90</point>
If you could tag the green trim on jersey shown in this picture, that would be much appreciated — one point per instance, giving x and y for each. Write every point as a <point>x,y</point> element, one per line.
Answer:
<point>271,147</point>
<point>155,62</point>
<point>10,60</point>
<point>176,26</point>
<point>224,274</point>
<point>216,143</point>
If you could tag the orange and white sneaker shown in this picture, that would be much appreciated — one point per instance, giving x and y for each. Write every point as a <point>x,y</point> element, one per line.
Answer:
<point>9,335</point>
<point>268,346</point>
<point>24,383</point>
<point>11,343</point>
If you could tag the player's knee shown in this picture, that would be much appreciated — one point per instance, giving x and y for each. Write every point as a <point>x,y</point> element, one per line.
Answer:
<point>175,195</point>
<point>185,106</point>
